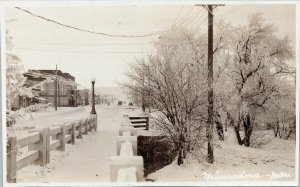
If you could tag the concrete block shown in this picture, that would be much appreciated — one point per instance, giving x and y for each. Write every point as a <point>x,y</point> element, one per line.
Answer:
<point>117,163</point>
<point>131,139</point>
<point>127,175</point>
<point>133,131</point>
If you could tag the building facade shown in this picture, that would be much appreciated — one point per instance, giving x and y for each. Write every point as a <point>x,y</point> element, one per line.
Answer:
<point>82,97</point>
<point>44,83</point>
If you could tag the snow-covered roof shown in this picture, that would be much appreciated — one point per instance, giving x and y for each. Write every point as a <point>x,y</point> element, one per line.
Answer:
<point>51,72</point>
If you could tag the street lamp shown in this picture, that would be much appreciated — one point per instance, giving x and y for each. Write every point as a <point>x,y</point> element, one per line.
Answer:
<point>93,80</point>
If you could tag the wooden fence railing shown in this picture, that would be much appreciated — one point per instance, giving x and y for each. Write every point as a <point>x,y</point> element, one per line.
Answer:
<point>41,142</point>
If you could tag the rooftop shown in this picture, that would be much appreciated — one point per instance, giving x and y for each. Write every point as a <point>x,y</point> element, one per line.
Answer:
<point>53,72</point>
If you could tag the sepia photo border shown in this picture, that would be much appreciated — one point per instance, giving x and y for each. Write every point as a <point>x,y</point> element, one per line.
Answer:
<point>5,4</point>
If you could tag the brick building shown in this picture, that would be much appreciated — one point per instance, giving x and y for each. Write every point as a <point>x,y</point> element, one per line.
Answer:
<point>43,83</point>
<point>82,97</point>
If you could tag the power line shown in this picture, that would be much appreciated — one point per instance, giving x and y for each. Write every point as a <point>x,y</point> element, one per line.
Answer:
<point>199,13</point>
<point>205,7</point>
<point>198,27</point>
<point>77,51</point>
<point>74,44</point>
<point>88,31</point>
<point>205,18</point>
<point>229,12</point>
<point>185,18</point>
<point>188,20</point>
<point>178,14</point>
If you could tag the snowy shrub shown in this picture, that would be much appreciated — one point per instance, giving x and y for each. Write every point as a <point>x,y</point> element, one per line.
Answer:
<point>157,152</point>
<point>260,138</point>
<point>11,118</point>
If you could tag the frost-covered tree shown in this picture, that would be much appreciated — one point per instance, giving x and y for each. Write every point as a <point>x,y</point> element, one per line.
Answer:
<point>258,57</point>
<point>174,79</point>
<point>14,82</point>
<point>14,77</point>
<point>283,117</point>
<point>14,74</point>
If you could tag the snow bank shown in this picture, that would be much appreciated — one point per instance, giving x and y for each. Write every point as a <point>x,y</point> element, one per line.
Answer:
<point>272,162</point>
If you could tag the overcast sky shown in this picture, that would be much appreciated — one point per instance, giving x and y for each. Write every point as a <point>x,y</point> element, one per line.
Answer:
<point>41,44</point>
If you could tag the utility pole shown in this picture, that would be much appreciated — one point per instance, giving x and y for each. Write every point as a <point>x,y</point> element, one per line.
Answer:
<point>58,85</point>
<point>210,78</point>
<point>55,90</point>
<point>143,95</point>
<point>58,93</point>
<point>210,121</point>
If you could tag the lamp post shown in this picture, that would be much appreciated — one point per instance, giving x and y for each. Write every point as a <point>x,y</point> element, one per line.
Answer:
<point>93,80</point>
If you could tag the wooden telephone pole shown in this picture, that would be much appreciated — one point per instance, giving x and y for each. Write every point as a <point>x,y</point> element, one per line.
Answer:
<point>55,90</point>
<point>210,121</point>
<point>210,78</point>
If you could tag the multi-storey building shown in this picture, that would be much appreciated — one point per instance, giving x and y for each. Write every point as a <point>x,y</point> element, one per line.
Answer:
<point>43,82</point>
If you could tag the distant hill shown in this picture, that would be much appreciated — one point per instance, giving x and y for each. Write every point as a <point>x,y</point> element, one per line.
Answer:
<point>117,92</point>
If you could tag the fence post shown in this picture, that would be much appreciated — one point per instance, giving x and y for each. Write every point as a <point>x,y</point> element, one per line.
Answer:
<point>80,129</point>
<point>11,162</point>
<point>62,134</point>
<point>85,127</point>
<point>88,124</point>
<point>48,145</point>
<point>43,146</point>
<point>96,122</point>
<point>73,133</point>
<point>94,119</point>
<point>91,124</point>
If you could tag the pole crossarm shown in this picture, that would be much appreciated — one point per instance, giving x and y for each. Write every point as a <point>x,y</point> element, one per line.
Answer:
<point>205,6</point>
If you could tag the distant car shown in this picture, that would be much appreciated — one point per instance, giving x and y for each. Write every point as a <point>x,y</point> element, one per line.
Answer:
<point>120,103</point>
<point>130,104</point>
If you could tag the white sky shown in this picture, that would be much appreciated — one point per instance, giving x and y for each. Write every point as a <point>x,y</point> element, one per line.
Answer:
<point>41,44</point>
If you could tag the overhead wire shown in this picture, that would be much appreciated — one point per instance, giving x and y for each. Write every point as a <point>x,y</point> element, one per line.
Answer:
<point>178,15</point>
<point>88,31</point>
<point>188,20</point>
<point>186,17</point>
<point>75,51</point>
<point>74,44</point>
<point>184,20</point>
<point>197,18</point>
<point>199,13</point>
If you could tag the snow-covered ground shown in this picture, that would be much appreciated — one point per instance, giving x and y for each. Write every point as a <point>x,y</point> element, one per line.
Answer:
<point>51,117</point>
<point>272,162</point>
<point>88,160</point>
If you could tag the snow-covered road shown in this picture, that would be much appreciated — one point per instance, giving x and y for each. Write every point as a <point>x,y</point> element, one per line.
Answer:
<point>88,160</point>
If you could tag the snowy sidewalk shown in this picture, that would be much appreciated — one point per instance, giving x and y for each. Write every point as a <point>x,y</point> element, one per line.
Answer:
<point>88,160</point>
